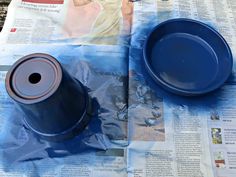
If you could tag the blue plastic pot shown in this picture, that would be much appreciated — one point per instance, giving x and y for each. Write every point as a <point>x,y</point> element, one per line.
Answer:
<point>56,106</point>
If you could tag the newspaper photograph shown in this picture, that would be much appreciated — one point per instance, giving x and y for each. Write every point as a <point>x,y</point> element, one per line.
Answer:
<point>68,22</point>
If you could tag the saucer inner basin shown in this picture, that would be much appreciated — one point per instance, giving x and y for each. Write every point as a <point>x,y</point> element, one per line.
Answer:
<point>184,61</point>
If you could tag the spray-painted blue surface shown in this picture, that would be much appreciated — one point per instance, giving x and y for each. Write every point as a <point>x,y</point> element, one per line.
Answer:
<point>21,149</point>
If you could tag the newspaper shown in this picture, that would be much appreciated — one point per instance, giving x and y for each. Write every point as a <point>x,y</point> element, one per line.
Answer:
<point>68,22</point>
<point>176,136</point>
<point>168,135</point>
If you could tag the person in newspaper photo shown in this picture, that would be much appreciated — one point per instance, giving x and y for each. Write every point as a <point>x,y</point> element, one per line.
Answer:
<point>96,19</point>
<point>216,135</point>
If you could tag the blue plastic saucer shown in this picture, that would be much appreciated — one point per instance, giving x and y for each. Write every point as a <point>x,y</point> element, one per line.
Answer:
<point>187,57</point>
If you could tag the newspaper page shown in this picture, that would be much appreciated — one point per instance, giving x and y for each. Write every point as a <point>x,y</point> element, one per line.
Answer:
<point>172,136</point>
<point>21,155</point>
<point>68,21</point>
<point>168,135</point>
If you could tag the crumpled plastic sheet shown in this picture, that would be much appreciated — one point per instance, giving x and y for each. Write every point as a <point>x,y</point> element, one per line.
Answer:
<point>107,87</point>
